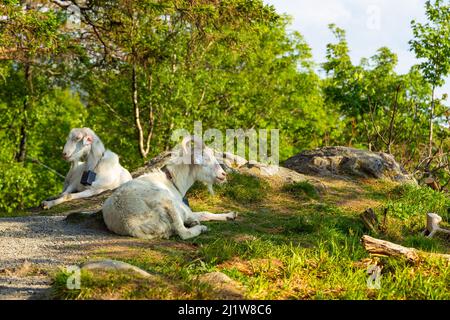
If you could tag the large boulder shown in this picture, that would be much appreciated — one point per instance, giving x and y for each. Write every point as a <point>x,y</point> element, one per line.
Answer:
<point>338,161</point>
<point>234,163</point>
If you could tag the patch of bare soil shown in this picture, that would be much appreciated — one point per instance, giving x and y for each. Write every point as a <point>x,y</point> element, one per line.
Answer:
<point>32,247</point>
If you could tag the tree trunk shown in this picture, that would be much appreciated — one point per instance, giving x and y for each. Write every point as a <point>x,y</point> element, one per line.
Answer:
<point>430,136</point>
<point>137,117</point>
<point>151,116</point>
<point>392,121</point>
<point>144,143</point>
<point>22,149</point>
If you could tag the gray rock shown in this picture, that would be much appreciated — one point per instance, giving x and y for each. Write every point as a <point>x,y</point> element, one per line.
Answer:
<point>234,163</point>
<point>114,265</point>
<point>223,286</point>
<point>335,161</point>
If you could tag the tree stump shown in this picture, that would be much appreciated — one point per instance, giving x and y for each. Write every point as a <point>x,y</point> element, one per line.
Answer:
<point>433,221</point>
<point>370,220</point>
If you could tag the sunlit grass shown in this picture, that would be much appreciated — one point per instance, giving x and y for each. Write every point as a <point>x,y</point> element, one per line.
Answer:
<point>282,247</point>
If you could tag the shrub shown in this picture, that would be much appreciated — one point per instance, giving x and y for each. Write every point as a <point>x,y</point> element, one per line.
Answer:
<point>410,200</point>
<point>17,187</point>
<point>23,186</point>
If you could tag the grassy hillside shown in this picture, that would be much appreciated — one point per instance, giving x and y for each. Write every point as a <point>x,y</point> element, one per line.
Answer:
<point>289,242</point>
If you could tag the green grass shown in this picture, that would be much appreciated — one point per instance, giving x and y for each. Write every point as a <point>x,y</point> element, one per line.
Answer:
<point>284,245</point>
<point>406,207</point>
<point>409,200</point>
<point>106,285</point>
<point>243,189</point>
<point>300,189</point>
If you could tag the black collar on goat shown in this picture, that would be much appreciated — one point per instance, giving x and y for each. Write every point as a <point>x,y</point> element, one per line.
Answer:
<point>170,178</point>
<point>89,176</point>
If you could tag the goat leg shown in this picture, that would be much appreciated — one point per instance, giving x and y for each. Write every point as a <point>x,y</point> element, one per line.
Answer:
<point>67,189</point>
<point>178,223</point>
<point>54,197</point>
<point>72,196</point>
<point>208,216</point>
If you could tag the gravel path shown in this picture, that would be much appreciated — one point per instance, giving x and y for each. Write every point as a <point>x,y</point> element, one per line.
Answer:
<point>29,245</point>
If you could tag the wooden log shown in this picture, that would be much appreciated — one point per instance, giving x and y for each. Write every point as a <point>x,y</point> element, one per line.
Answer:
<point>386,248</point>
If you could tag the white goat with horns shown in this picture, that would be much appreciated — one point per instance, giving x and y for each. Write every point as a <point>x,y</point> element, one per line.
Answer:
<point>152,206</point>
<point>109,174</point>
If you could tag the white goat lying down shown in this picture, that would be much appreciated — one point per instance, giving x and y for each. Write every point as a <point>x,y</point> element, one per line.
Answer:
<point>151,206</point>
<point>84,143</point>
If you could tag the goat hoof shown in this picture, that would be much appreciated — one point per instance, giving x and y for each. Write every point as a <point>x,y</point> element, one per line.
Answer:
<point>45,205</point>
<point>232,216</point>
<point>194,223</point>
<point>203,228</point>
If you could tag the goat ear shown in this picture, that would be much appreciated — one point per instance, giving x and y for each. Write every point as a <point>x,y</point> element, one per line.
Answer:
<point>87,140</point>
<point>185,145</point>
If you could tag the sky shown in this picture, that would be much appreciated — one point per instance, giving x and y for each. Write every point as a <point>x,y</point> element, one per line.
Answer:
<point>369,24</point>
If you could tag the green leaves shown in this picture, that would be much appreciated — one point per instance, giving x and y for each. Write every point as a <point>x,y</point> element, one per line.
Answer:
<point>432,42</point>
<point>235,67</point>
<point>230,64</point>
<point>17,187</point>
<point>27,33</point>
<point>380,109</point>
<point>411,201</point>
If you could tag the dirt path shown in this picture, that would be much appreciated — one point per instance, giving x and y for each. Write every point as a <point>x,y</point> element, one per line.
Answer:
<point>30,247</point>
